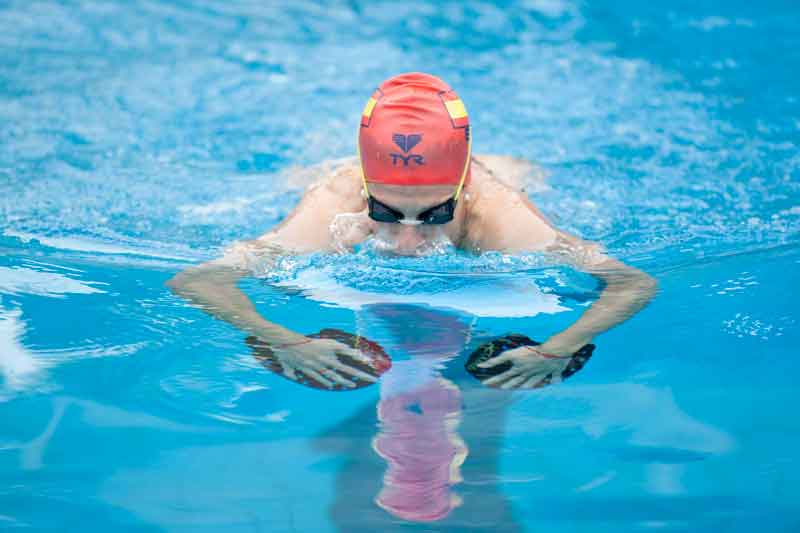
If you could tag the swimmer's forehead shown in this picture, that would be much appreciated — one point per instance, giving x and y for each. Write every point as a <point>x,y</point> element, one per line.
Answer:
<point>422,194</point>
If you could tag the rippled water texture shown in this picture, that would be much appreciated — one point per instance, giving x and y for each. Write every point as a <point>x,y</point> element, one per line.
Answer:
<point>139,138</point>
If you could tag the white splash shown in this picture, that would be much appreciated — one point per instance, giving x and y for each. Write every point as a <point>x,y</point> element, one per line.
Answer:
<point>18,366</point>
<point>77,244</point>
<point>19,280</point>
<point>23,369</point>
<point>511,298</point>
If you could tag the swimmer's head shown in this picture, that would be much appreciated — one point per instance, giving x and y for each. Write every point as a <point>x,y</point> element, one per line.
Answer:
<point>414,131</point>
<point>414,149</point>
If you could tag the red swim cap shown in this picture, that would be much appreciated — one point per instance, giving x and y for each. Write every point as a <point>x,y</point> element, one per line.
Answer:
<point>414,131</point>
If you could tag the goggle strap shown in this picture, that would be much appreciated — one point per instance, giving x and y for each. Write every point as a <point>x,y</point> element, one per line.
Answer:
<point>466,167</point>
<point>361,166</point>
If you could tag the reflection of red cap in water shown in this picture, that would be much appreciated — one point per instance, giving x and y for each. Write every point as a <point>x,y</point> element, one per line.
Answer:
<point>414,131</point>
<point>423,451</point>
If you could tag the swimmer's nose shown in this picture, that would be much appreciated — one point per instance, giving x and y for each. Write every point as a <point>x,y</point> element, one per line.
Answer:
<point>408,238</point>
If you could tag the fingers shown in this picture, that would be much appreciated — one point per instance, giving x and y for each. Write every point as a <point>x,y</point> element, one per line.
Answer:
<point>530,382</point>
<point>317,376</point>
<point>533,381</point>
<point>330,377</point>
<point>494,361</point>
<point>330,361</point>
<point>352,371</point>
<point>319,372</point>
<point>341,380</point>
<point>289,372</point>
<point>357,355</point>
<point>501,378</point>
<point>327,367</point>
<point>513,383</point>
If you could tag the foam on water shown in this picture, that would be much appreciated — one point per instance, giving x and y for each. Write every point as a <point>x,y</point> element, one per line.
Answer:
<point>18,366</point>
<point>17,280</point>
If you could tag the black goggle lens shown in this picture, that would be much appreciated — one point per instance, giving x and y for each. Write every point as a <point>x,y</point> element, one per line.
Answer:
<point>438,214</point>
<point>382,212</point>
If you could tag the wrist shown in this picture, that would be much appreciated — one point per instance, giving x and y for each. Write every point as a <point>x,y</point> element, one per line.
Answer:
<point>278,336</point>
<point>548,352</point>
<point>305,340</point>
<point>565,345</point>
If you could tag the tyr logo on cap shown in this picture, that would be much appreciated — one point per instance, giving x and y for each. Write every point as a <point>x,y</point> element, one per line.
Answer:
<point>406,143</point>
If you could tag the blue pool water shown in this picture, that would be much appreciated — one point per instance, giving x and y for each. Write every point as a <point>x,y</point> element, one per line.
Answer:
<point>138,139</point>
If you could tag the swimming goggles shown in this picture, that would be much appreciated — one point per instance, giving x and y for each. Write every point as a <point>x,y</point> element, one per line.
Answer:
<point>438,214</point>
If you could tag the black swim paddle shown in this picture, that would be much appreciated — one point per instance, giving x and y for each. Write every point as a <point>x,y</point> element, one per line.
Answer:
<point>380,361</point>
<point>496,347</point>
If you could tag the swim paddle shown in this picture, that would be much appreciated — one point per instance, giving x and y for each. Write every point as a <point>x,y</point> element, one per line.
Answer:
<point>494,348</point>
<point>380,361</point>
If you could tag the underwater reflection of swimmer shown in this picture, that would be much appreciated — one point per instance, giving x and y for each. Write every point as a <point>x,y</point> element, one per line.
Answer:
<point>433,461</point>
<point>389,482</point>
<point>420,443</point>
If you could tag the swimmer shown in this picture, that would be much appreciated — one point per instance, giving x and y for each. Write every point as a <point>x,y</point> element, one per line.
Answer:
<point>416,184</point>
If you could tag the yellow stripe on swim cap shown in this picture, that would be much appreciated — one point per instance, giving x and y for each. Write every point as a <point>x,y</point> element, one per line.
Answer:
<point>456,109</point>
<point>366,115</point>
<point>369,107</point>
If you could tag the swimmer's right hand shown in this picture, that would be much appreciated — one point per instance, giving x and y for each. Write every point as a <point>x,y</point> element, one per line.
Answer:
<point>321,361</point>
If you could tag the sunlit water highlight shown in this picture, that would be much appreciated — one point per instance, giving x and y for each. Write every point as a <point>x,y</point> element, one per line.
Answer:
<point>140,139</point>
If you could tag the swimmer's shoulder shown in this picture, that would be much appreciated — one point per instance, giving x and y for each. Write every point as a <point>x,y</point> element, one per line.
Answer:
<point>502,217</point>
<point>340,183</point>
<point>515,172</point>
<point>334,190</point>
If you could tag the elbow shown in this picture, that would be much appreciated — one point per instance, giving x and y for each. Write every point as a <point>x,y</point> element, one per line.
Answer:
<point>633,282</point>
<point>199,281</point>
<point>645,281</point>
<point>646,285</point>
<point>173,283</point>
<point>179,283</point>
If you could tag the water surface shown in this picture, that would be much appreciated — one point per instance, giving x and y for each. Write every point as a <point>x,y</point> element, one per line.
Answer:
<point>140,139</point>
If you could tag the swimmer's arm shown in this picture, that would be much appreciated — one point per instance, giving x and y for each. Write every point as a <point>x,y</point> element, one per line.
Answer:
<point>516,225</point>
<point>213,287</point>
<point>626,290</point>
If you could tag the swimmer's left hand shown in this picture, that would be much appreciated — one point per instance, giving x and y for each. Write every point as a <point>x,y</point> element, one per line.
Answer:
<point>531,367</point>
